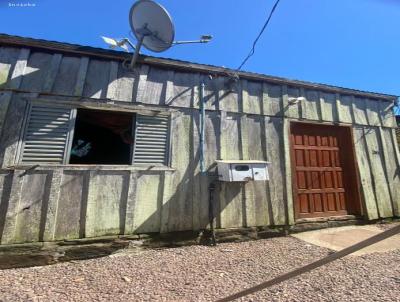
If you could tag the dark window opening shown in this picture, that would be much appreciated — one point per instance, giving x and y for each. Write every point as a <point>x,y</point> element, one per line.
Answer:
<point>242,168</point>
<point>102,137</point>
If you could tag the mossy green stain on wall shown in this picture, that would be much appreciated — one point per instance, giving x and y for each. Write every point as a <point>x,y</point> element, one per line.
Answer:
<point>3,78</point>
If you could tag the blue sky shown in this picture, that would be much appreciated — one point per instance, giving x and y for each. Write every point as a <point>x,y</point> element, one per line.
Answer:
<point>353,44</point>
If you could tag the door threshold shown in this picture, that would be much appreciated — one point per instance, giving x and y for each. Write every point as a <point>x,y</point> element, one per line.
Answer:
<point>310,224</point>
<point>328,218</point>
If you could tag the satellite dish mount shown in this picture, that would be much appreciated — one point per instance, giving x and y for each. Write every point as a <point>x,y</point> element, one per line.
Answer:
<point>143,32</point>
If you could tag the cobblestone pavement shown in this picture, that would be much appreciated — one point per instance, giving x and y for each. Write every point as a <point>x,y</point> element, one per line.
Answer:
<point>199,273</point>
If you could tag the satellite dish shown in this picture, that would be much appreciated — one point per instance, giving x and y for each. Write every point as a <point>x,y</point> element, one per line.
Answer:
<point>153,28</point>
<point>151,23</point>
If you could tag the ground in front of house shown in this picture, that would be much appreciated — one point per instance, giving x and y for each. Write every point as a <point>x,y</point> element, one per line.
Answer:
<point>199,273</point>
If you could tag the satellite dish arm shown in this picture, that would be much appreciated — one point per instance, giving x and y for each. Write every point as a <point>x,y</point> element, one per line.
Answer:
<point>126,40</point>
<point>204,39</point>
<point>189,42</point>
<point>136,54</point>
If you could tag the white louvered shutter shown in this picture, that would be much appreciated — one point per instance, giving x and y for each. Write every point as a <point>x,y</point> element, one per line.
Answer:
<point>48,135</point>
<point>151,140</point>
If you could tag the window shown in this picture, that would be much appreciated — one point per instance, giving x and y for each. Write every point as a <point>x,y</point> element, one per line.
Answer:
<point>102,137</point>
<point>62,135</point>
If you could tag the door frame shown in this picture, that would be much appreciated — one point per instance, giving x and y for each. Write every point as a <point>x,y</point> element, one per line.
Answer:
<point>352,173</point>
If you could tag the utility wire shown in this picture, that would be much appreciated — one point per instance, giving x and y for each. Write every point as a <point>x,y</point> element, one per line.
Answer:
<point>253,49</point>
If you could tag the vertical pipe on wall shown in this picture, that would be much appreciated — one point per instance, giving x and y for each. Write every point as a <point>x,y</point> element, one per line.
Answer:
<point>202,126</point>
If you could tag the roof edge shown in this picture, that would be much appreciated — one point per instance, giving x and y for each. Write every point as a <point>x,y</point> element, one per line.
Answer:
<point>69,48</point>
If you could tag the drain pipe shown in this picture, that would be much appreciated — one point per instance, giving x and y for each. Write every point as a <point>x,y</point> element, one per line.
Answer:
<point>211,214</point>
<point>203,172</point>
<point>202,128</point>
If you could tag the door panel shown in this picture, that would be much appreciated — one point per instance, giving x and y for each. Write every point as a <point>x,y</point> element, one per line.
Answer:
<point>324,183</point>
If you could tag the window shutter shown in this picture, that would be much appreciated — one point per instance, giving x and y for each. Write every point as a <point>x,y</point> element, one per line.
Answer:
<point>48,135</point>
<point>151,140</point>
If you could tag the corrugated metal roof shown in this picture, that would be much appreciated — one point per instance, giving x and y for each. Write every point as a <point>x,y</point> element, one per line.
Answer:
<point>177,64</point>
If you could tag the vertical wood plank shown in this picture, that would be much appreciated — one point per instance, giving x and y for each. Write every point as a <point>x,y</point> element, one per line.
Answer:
<point>5,98</point>
<point>256,201</point>
<point>248,202</point>
<point>19,69</point>
<point>231,205</point>
<point>33,205</point>
<point>13,122</point>
<point>365,174</point>
<point>344,108</point>
<point>387,115</point>
<point>195,102</point>
<point>373,113</point>
<point>396,146</point>
<point>288,172</point>
<point>328,107</point>
<point>303,104</point>
<point>338,110</point>
<point>71,205</point>
<point>142,81</point>
<point>359,110</point>
<point>210,92</point>
<point>81,76</point>
<point>131,203</point>
<point>243,134</point>
<point>15,82</point>
<point>167,198</point>
<point>126,84</point>
<point>96,79</point>
<point>322,104</point>
<point>106,200</point>
<point>35,71</point>
<point>311,106</point>
<point>67,73</point>
<point>272,100</point>
<point>147,214</point>
<point>8,59</point>
<point>230,100</point>
<point>52,205</point>
<point>275,148</point>
<point>5,190</point>
<point>285,100</point>
<point>52,73</point>
<point>183,89</point>
<point>379,178</point>
<point>230,140</point>
<point>294,110</point>
<point>10,223</point>
<point>252,97</point>
<point>112,90</point>
<point>212,153</point>
<point>155,88</point>
<point>231,199</point>
<point>196,176</point>
<point>180,205</point>
<point>169,88</point>
<point>391,168</point>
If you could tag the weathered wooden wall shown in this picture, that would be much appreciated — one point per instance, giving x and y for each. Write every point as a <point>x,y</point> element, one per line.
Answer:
<point>250,122</point>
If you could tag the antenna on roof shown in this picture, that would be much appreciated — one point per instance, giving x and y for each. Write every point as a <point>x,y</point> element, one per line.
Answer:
<point>153,28</point>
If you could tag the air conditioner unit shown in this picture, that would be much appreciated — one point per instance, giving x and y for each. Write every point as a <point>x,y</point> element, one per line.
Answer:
<point>242,170</point>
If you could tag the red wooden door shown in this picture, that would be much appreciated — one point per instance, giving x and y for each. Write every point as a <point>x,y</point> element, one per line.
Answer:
<point>322,159</point>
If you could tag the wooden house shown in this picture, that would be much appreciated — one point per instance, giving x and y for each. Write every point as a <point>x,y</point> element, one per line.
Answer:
<point>89,148</point>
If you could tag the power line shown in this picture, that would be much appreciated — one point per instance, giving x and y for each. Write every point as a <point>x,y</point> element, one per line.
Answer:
<point>253,49</point>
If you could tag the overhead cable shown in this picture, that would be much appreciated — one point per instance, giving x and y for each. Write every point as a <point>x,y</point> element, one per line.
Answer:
<point>259,35</point>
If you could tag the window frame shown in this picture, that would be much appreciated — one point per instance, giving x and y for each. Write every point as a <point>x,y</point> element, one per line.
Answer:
<point>98,106</point>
